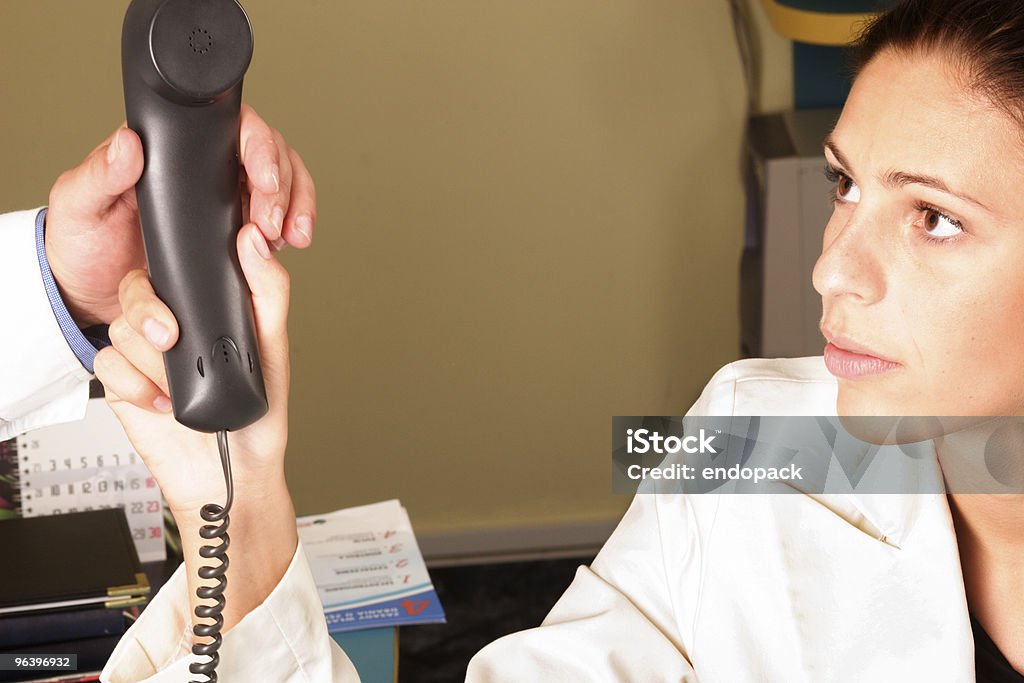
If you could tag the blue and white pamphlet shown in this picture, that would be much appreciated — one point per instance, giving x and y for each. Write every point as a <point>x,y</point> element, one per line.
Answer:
<point>368,568</point>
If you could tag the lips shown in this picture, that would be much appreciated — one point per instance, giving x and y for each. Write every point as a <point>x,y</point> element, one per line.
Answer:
<point>848,359</point>
<point>851,346</point>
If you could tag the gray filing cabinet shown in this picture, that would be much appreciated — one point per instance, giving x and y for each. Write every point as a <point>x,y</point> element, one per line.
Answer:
<point>787,209</point>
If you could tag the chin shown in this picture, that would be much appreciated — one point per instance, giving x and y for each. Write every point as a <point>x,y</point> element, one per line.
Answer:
<point>870,415</point>
<point>855,399</point>
<point>876,417</point>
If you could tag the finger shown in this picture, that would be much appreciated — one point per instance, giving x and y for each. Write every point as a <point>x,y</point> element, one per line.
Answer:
<point>268,209</point>
<point>145,312</point>
<point>270,286</point>
<point>298,225</point>
<point>258,151</point>
<point>139,352</point>
<point>269,176</point>
<point>94,186</point>
<point>124,380</point>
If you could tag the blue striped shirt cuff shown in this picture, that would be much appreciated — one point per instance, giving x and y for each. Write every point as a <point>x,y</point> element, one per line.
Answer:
<point>85,347</point>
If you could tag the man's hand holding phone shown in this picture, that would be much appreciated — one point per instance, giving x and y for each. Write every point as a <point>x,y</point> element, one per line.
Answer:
<point>92,227</point>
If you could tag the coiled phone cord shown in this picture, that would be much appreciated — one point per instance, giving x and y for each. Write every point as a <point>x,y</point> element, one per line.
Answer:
<point>217,527</point>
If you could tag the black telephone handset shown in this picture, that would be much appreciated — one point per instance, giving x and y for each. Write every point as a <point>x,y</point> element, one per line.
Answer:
<point>183,62</point>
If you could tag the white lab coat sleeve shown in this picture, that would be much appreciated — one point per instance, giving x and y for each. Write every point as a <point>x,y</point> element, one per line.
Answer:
<point>42,382</point>
<point>284,640</point>
<point>628,616</point>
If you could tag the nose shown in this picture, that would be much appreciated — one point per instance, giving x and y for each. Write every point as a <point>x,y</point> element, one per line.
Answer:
<point>851,264</point>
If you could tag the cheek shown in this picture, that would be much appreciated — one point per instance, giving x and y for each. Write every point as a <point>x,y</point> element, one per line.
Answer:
<point>948,332</point>
<point>993,331</point>
<point>970,347</point>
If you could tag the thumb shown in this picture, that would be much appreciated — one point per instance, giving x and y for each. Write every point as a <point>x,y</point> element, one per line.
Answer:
<point>113,168</point>
<point>270,285</point>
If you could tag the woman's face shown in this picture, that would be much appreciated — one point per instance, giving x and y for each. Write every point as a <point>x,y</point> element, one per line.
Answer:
<point>922,262</point>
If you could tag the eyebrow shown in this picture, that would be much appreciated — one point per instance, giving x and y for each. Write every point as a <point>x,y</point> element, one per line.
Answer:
<point>897,179</point>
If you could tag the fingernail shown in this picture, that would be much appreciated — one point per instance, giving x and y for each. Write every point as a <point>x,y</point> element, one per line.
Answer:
<point>304,226</point>
<point>261,244</point>
<point>162,403</point>
<point>279,244</point>
<point>114,149</point>
<point>271,178</point>
<point>157,334</point>
<point>277,219</point>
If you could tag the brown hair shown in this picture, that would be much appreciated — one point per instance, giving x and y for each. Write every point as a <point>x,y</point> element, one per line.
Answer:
<point>982,39</point>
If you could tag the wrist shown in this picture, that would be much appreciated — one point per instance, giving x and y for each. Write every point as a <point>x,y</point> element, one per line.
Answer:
<point>266,491</point>
<point>264,539</point>
<point>81,313</point>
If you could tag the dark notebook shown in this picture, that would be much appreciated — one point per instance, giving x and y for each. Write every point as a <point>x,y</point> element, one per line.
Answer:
<point>69,561</point>
<point>21,630</point>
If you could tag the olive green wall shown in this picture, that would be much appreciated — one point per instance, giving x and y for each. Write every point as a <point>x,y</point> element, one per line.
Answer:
<point>773,56</point>
<point>530,220</point>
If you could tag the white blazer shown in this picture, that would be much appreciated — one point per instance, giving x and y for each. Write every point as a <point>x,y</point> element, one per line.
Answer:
<point>722,588</point>
<point>714,588</point>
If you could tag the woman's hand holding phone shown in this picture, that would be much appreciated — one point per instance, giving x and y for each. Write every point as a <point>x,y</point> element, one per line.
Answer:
<point>186,463</point>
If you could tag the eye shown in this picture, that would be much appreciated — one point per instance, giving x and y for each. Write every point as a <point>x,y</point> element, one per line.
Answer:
<point>846,189</point>
<point>937,224</point>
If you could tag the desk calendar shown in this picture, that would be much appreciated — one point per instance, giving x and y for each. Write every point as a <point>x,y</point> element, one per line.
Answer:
<point>86,465</point>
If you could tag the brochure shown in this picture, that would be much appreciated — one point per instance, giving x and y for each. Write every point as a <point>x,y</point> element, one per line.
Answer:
<point>368,568</point>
